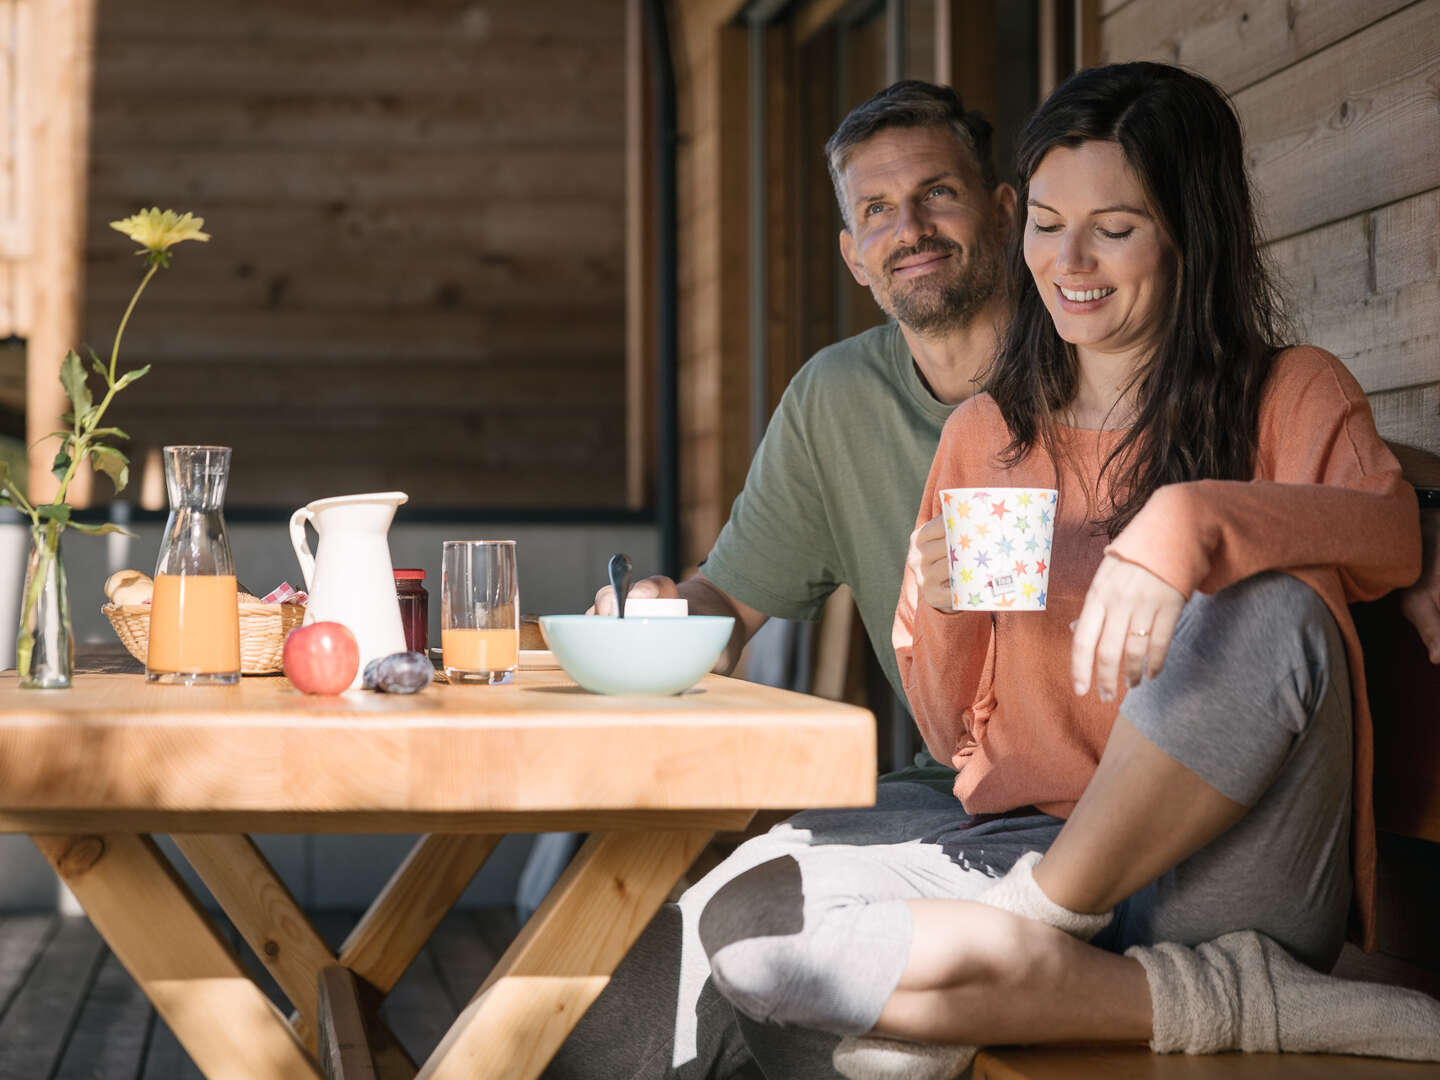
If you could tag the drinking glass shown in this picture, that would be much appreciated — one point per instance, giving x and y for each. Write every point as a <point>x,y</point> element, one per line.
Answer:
<point>194,614</point>
<point>479,611</point>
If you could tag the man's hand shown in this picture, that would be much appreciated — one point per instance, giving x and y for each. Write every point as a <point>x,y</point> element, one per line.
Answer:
<point>645,589</point>
<point>1124,628</point>
<point>928,560</point>
<point>1421,601</point>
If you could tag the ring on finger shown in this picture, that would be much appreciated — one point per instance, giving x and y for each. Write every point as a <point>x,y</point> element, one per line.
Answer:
<point>1139,633</point>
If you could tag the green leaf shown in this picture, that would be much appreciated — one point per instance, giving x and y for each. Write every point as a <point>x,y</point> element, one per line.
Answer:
<point>87,421</point>
<point>72,377</point>
<point>107,433</point>
<point>113,464</point>
<point>100,529</point>
<point>59,512</point>
<point>99,365</point>
<point>130,376</point>
<point>62,463</point>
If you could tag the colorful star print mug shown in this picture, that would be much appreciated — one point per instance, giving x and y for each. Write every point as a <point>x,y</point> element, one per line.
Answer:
<point>999,540</point>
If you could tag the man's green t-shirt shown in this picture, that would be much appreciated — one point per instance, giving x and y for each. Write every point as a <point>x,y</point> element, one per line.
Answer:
<point>833,490</point>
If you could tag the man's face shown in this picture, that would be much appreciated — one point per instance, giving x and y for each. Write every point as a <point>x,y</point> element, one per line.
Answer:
<point>922,232</point>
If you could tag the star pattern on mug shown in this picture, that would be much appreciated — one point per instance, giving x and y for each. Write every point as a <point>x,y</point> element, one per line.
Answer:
<point>983,547</point>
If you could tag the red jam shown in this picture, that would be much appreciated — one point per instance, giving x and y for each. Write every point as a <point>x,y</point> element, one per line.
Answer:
<point>414,609</point>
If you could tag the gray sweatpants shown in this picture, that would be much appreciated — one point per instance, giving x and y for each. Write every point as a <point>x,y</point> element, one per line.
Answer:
<point>805,930</point>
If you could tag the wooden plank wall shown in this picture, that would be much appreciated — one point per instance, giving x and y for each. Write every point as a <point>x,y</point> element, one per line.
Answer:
<point>1338,101</point>
<point>417,277</point>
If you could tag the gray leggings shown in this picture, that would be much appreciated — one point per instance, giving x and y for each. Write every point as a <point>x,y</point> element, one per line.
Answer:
<point>805,930</point>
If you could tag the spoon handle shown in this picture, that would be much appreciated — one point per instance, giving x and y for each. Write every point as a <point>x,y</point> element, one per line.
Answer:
<point>620,580</point>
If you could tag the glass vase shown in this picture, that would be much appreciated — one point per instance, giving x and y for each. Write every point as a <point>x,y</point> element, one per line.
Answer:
<point>44,646</point>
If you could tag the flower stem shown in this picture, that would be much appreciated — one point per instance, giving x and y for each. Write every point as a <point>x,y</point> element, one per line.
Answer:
<point>82,442</point>
<point>45,540</point>
<point>120,331</point>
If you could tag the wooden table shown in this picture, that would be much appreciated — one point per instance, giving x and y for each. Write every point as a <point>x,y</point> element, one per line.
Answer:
<point>90,772</point>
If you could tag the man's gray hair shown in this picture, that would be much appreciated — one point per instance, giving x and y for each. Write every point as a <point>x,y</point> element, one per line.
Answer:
<point>910,104</point>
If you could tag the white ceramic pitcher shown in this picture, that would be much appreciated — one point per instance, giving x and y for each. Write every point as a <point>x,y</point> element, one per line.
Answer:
<point>349,578</point>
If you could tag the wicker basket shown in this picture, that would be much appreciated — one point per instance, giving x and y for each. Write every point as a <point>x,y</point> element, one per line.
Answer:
<point>262,632</point>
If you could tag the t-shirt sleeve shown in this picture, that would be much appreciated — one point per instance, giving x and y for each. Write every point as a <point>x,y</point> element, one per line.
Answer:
<point>942,655</point>
<point>777,552</point>
<point>1328,493</point>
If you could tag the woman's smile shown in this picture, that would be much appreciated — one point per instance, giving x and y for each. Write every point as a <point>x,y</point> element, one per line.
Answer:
<point>1081,300</point>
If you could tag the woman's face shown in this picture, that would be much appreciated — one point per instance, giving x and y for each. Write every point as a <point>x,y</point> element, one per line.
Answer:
<point>1102,263</point>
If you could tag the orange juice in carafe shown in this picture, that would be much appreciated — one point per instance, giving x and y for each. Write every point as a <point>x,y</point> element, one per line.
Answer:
<point>194,613</point>
<point>194,625</point>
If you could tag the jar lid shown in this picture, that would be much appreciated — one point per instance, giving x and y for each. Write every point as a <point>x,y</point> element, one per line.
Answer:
<point>409,575</point>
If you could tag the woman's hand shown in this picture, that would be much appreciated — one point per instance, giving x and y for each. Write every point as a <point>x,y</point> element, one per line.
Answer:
<point>929,562</point>
<point>1124,628</point>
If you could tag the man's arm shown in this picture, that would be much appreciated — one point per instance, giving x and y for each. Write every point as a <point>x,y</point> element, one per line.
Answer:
<point>704,598</point>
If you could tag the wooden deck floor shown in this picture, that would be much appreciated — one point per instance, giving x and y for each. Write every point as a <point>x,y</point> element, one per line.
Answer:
<point>69,1011</point>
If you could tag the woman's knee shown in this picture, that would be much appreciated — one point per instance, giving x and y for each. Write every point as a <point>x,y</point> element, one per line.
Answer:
<point>1257,627</point>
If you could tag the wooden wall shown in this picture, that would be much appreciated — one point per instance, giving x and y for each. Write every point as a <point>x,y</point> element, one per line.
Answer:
<point>417,274</point>
<point>1338,102</point>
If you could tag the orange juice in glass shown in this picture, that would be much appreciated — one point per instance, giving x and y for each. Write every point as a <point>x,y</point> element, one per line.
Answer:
<point>194,613</point>
<point>479,611</point>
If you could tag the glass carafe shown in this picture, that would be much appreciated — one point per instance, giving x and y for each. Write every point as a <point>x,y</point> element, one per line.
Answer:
<point>194,615</point>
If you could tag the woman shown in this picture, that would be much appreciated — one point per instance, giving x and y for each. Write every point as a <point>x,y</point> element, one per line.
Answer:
<point>1181,721</point>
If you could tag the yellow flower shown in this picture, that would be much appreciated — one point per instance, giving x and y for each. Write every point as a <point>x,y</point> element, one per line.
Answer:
<point>159,230</point>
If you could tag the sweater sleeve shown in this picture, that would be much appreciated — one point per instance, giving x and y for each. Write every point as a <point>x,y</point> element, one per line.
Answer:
<point>1327,493</point>
<point>941,654</point>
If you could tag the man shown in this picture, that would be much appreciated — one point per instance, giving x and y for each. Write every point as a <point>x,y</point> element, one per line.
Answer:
<point>830,499</point>
<point>832,491</point>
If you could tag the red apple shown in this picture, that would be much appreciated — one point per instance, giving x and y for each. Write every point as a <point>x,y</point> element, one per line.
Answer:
<point>321,658</point>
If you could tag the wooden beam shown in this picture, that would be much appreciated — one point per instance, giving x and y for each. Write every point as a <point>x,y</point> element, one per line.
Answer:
<point>966,47</point>
<point>344,1048</point>
<point>1087,33</point>
<point>563,957</point>
<point>58,95</point>
<point>417,896</point>
<point>265,913</point>
<point>814,17</point>
<point>641,285</point>
<point>187,970</point>
<point>1048,61</point>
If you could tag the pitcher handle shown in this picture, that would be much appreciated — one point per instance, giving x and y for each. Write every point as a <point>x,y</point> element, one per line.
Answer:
<point>301,544</point>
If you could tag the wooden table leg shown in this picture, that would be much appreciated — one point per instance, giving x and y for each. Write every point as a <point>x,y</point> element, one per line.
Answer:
<point>564,956</point>
<point>267,916</point>
<point>407,911</point>
<point>154,926</point>
<point>344,1046</point>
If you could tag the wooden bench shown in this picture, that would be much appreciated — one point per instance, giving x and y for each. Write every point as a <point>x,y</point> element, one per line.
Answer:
<point>1404,690</point>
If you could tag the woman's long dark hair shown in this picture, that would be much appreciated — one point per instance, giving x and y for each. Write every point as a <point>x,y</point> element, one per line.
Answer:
<point>1198,396</point>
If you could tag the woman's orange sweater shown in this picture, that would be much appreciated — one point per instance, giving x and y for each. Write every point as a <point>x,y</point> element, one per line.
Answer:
<point>1327,505</point>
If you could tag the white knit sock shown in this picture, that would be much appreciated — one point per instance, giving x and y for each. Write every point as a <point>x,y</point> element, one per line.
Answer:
<point>1242,991</point>
<point>869,1057</point>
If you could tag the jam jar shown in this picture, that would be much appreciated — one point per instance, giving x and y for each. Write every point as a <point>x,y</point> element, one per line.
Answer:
<point>414,609</point>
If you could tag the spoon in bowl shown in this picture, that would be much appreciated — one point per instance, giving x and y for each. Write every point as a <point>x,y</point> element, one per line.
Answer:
<point>620,580</point>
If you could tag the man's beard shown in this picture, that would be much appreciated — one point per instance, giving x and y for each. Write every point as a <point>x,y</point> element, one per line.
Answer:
<point>938,303</point>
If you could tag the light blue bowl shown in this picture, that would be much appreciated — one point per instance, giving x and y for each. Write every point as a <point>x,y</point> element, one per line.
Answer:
<point>607,655</point>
